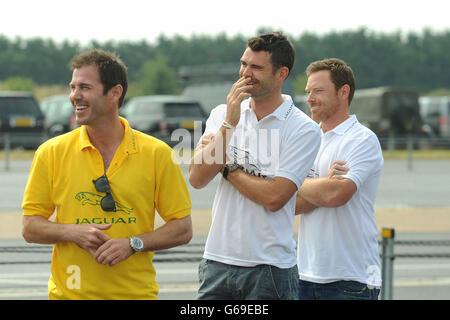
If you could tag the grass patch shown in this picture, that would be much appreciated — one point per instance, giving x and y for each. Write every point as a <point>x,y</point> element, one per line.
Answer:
<point>431,154</point>
<point>18,154</point>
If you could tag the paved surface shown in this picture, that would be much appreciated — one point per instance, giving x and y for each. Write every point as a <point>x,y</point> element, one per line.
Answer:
<point>415,202</point>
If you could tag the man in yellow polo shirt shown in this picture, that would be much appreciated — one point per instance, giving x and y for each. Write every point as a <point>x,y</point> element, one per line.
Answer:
<point>105,181</point>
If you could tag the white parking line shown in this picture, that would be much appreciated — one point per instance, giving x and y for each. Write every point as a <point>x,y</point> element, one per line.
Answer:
<point>422,282</point>
<point>24,282</point>
<point>176,271</point>
<point>15,294</point>
<point>25,275</point>
<point>427,266</point>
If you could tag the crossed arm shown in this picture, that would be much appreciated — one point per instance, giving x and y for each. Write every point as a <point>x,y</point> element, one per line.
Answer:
<point>273,194</point>
<point>331,191</point>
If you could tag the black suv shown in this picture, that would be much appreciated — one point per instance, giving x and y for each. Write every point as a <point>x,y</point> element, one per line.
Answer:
<point>22,118</point>
<point>160,115</point>
<point>59,115</point>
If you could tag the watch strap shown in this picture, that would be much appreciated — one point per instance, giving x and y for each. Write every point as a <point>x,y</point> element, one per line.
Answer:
<point>226,170</point>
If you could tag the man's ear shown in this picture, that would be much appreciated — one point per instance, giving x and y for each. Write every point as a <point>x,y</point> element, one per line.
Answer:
<point>116,92</point>
<point>344,91</point>
<point>283,73</point>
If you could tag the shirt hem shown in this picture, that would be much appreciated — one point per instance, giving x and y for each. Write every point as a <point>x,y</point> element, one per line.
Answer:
<point>246,263</point>
<point>310,278</point>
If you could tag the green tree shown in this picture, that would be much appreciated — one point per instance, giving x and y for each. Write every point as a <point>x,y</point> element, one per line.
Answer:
<point>18,84</point>
<point>299,83</point>
<point>155,77</point>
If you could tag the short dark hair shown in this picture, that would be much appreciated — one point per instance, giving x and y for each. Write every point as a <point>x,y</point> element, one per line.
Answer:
<point>111,69</point>
<point>340,73</point>
<point>282,52</point>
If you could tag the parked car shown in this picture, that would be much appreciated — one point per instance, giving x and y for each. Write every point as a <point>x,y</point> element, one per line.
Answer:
<point>435,111</point>
<point>22,118</point>
<point>59,115</point>
<point>160,115</point>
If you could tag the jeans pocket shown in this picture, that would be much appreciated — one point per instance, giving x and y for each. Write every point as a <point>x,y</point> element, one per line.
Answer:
<point>201,271</point>
<point>285,282</point>
<point>353,289</point>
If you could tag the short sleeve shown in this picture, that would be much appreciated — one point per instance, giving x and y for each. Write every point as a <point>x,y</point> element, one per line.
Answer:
<point>37,196</point>
<point>364,158</point>
<point>298,153</point>
<point>172,200</point>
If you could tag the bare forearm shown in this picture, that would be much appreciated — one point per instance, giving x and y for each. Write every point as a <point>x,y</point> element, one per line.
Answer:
<point>173,233</point>
<point>270,193</point>
<point>37,229</point>
<point>303,206</point>
<point>209,159</point>
<point>327,192</point>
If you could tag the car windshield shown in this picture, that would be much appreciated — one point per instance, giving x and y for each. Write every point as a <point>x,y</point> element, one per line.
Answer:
<point>18,106</point>
<point>191,110</point>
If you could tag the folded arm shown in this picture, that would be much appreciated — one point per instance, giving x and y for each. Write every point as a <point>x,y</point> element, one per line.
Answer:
<point>270,193</point>
<point>330,192</point>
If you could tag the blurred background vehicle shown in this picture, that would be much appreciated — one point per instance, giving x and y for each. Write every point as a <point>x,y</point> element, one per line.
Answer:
<point>59,115</point>
<point>161,115</point>
<point>22,118</point>
<point>387,110</point>
<point>393,114</point>
<point>435,111</point>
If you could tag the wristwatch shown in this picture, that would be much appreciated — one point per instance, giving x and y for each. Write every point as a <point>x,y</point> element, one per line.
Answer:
<point>229,167</point>
<point>136,244</point>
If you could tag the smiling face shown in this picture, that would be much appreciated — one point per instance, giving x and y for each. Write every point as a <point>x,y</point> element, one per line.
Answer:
<point>86,96</point>
<point>323,97</point>
<point>257,66</point>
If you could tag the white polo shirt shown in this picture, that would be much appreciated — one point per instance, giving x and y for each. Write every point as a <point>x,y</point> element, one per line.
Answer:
<point>341,243</point>
<point>283,144</point>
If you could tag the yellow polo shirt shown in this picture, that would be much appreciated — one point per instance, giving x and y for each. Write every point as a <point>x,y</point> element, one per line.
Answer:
<point>143,177</point>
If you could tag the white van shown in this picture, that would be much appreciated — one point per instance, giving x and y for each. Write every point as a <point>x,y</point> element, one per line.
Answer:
<point>435,111</point>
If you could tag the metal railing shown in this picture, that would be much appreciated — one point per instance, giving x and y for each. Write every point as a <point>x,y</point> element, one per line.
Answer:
<point>388,256</point>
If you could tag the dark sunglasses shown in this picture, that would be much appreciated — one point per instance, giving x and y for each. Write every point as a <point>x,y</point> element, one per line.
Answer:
<point>102,185</point>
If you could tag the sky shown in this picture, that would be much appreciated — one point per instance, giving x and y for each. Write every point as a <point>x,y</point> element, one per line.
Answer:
<point>84,20</point>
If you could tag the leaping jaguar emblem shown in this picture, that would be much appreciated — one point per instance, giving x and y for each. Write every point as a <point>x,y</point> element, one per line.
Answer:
<point>94,199</point>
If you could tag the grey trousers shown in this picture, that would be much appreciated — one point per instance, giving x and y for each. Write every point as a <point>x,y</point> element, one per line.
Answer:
<point>219,281</point>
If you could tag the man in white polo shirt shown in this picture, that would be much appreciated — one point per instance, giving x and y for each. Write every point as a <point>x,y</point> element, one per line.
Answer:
<point>268,146</point>
<point>337,243</point>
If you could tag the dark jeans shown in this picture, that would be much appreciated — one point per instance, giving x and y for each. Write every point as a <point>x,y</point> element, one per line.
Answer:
<point>339,290</point>
<point>219,281</point>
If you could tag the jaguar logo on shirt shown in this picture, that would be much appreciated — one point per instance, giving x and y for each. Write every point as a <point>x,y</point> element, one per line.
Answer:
<point>94,199</point>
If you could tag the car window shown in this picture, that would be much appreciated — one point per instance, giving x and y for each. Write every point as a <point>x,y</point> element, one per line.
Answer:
<point>147,108</point>
<point>66,108</point>
<point>191,110</point>
<point>19,106</point>
<point>51,109</point>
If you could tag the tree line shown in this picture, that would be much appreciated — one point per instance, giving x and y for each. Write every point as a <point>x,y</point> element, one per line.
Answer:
<point>416,60</point>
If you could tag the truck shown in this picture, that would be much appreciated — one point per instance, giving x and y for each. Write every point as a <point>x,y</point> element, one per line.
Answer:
<point>389,112</point>
<point>435,112</point>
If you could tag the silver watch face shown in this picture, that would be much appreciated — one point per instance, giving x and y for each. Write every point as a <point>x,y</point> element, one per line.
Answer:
<point>137,244</point>
<point>232,167</point>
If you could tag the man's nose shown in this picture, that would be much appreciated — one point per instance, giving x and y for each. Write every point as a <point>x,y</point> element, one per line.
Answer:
<point>74,93</point>
<point>245,72</point>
